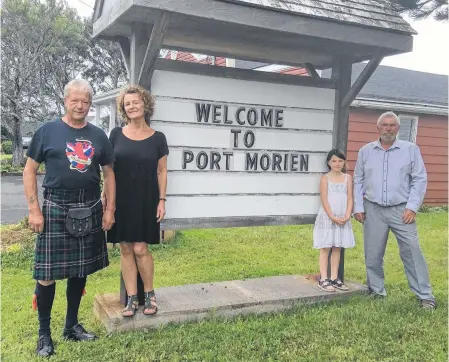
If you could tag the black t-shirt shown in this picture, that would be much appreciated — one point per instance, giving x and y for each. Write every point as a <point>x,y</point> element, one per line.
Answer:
<point>72,156</point>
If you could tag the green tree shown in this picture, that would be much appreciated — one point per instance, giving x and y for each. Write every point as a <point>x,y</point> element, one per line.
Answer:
<point>105,68</point>
<point>420,9</point>
<point>33,33</point>
<point>64,64</point>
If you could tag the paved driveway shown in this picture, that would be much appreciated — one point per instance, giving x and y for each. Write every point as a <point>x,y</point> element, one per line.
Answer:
<point>14,205</point>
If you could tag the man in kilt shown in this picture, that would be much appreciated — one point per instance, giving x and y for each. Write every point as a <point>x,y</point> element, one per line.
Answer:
<point>72,223</point>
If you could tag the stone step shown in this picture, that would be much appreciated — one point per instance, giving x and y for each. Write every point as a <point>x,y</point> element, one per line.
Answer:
<point>193,302</point>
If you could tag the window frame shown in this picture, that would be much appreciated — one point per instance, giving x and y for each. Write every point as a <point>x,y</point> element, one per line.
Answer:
<point>413,126</point>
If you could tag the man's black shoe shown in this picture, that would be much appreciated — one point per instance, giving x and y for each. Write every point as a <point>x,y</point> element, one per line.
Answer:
<point>45,346</point>
<point>78,333</point>
<point>374,295</point>
<point>428,304</point>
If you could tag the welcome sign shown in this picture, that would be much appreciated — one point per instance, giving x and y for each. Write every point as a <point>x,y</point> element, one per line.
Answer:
<point>242,152</point>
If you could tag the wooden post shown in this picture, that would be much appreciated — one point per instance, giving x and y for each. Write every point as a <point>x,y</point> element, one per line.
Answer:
<point>98,115</point>
<point>341,73</point>
<point>112,115</point>
<point>138,45</point>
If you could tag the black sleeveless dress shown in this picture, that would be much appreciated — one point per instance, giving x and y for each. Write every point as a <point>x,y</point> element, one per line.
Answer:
<point>137,194</point>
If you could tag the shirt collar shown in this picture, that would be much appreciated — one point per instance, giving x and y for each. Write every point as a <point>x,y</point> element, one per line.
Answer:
<point>396,144</point>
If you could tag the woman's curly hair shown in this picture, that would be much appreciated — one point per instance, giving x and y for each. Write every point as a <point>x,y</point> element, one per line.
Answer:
<point>146,97</point>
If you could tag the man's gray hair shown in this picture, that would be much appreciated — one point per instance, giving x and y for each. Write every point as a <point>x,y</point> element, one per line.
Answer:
<point>79,85</point>
<point>388,114</point>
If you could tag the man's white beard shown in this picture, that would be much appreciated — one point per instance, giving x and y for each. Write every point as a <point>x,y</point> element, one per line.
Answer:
<point>388,138</point>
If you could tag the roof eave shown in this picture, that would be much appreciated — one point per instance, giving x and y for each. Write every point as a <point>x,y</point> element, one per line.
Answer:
<point>398,106</point>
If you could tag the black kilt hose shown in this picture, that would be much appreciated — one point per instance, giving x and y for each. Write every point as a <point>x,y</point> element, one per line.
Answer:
<point>58,254</point>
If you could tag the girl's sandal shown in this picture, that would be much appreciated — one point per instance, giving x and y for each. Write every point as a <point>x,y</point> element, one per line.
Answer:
<point>131,306</point>
<point>337,283</point>
<point>326,285</point>
<point>150,303</point>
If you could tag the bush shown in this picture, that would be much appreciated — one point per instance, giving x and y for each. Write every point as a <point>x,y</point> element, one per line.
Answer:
<point>7,167</point>
<point>7,147</point>
<point>425,209</point>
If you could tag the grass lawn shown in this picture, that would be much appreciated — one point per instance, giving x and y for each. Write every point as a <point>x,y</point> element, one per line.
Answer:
<point>362,329</point>
<point>4,156</point>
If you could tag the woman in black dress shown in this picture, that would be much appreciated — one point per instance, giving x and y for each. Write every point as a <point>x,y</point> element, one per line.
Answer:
<point>141,177</point>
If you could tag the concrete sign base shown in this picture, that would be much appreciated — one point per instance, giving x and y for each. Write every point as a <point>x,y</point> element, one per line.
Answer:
<point>195,302</point>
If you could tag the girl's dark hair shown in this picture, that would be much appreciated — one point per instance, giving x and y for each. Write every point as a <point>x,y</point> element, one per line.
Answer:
<point>334,152</point>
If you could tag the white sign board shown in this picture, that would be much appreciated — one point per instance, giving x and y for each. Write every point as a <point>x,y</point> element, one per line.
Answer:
<point>241,152</point>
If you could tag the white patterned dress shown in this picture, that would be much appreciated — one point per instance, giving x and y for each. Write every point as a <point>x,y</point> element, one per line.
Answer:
<point>327,234</point>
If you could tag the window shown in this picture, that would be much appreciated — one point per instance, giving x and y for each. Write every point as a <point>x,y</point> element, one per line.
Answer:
<point>409,128</point>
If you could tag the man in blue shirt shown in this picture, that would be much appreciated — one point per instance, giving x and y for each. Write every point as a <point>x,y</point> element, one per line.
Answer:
<point>390,182</point>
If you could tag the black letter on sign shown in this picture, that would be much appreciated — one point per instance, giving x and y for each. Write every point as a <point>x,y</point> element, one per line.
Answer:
<point>213,161</point>
<point>251,163</point>
<point>266,118</point>
<point>202,111</point>
<point>286,161</point>
<point>225,117</point>
<point>304,164</point>
<point>237,116</point>
<point>217,113</point>
<point>187,157</point>
<point>267,162</point>
<point>294,159</point>
<point>228,163</point>
<point>236,132</point>
<point>277,159</point>
<point>279,118</point>
<point>252,120</point>
<point>247,143</point>
<point>198,160</point>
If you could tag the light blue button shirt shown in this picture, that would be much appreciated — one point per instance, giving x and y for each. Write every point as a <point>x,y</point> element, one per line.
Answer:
<point>390,177</point>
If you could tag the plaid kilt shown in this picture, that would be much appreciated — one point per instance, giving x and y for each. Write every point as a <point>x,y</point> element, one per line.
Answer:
<point>58,254</point>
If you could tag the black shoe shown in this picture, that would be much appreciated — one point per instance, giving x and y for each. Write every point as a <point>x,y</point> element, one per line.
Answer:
<point>78,333</point>
<point>373,294</point>
<point>45,346</point>
<point>428,304</point>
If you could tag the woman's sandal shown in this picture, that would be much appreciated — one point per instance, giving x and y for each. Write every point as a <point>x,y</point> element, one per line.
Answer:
<point>150,303</point>
<point>131,306</point>
<point>326,285</point>
<point>337,283</point>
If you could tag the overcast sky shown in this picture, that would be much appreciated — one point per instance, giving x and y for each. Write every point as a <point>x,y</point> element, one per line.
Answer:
<point>430,46</point>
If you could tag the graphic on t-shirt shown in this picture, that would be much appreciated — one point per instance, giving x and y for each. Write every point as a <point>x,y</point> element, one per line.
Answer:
<point>80,154</point>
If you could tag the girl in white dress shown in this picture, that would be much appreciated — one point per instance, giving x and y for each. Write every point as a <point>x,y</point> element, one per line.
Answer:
<point>333,228</point>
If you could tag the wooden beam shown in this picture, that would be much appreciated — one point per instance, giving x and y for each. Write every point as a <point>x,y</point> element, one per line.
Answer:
<point>125,49</point>
<point>98,9</point>
<point>361,81</point>
<point>153,49</point>
<point>204,42</point>
<point>341,73</point>
<point>138,45</point>
<point>138,41</point>
<point>243,74</point>
<point>311,70</point>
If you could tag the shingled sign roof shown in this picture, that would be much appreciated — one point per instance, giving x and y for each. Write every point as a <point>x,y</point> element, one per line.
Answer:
<point>370,13</point>
<point>290,32</point>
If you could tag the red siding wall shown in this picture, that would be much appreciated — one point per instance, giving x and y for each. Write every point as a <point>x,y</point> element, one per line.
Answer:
<point>188,57</point>
<point>432,139</point>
